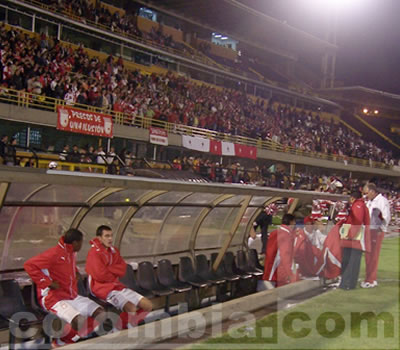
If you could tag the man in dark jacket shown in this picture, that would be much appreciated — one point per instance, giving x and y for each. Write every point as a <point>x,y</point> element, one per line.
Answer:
<point>263,220</point>
<point>354,239</point>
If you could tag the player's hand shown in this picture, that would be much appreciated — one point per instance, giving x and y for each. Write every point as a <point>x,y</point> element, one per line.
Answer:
<point>54,285</point>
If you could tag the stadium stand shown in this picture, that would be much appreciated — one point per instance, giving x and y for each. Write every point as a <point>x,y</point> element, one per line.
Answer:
<point>48,68</point>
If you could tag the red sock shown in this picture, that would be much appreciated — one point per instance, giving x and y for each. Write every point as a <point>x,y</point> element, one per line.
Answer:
<point>123,321</point>
<point>138,317</point>
<point>70,335</point>
<point>88,327</point>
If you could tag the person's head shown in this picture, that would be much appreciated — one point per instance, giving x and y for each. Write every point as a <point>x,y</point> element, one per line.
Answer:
<point>371,190</point>
<point>288,220</point>
<point>354,196</point>
<point>75,237</point>
<point>308,223</point>
<point>105,235</point>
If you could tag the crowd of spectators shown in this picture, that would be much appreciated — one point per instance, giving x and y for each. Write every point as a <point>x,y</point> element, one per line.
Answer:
<point>125,24</point>
<point>262,175</point>
<point>124,162</point>
<point>121,163</point>
<point>45,67</point>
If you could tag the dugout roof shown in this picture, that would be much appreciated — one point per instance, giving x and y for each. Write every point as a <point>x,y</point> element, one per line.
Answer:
<point>150,218</point>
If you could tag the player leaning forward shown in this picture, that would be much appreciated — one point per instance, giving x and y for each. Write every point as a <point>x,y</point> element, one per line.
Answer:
<point>56,276</point>
<point>104,266</point>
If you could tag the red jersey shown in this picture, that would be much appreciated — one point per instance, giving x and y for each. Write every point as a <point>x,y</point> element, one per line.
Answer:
<point>358,236</point>
<point>56,264</point>
<point>104,267</point>
<point>306,255</point>
<point>279,256</point>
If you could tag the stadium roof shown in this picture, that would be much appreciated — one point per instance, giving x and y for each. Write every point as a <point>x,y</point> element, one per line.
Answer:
<point>245,24</point>
<point>364,96</point>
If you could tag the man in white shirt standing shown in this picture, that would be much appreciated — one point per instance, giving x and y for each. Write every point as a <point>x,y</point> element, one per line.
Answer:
<point>379,212</point>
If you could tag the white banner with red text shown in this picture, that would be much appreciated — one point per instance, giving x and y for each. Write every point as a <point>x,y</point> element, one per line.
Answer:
<point>158,136</point>
<point>84,122</point>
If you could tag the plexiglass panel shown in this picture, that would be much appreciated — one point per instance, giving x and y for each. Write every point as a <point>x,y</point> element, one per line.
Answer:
<point>257,200</point>
<point>58,193</point>
<point>17,192</point>
<point>239,235</point>
<point>124,196</point>
<point>36,230</point>
<point>6,215</point>
<point>142,231</point>
<point>234,200</point>
<point>110,216</point>
<point>176,232</point>
<point>170,197</point>
<point>215,227</point>
<point>202,198</point>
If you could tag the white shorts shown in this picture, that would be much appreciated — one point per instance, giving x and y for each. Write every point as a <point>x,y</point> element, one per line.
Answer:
<point>118,298</point>
<point>67,310</point>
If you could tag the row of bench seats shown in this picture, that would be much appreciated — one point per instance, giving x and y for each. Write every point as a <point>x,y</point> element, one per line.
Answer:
<point>150,282</point>
<point>164,282</point>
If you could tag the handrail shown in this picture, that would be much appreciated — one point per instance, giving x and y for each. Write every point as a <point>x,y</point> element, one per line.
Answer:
<point>26,99</point>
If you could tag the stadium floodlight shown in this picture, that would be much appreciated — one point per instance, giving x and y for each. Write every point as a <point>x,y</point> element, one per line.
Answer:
<point>332,4</point>
<point>365,110</point>
<point>376,111</point>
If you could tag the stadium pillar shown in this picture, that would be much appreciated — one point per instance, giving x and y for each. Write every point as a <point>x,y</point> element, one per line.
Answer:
<point>33,23</point>
<point>28,136</point>
<point>232,231</point>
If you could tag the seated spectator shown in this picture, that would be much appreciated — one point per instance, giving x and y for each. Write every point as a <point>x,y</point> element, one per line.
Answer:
<point>101,156</point>
<point>64,153</point>
<point>75,156</point>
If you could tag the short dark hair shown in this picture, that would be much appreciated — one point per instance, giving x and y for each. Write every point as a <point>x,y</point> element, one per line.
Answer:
<point>356,194</point>
<point>72,235</point>
<point>287,219</point>
<point>372,186</point>
<point>102,228</point>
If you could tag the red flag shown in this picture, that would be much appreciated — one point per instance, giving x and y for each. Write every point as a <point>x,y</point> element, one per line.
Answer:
<point>216,147</point>
<point>245,151</point>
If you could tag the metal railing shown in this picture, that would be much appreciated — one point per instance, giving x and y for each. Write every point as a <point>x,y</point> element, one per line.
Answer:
<point>29,100</point>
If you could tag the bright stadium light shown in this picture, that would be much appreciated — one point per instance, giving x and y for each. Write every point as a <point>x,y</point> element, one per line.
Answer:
<point>365,110</point>
<point>333,4</point>
<point>376,111</point>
